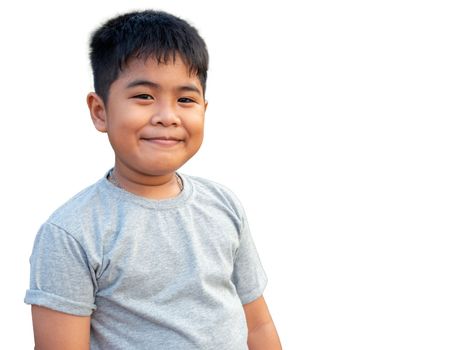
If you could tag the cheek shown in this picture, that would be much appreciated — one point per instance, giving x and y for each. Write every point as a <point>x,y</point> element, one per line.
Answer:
<point>123,131</point>
<point>195,125</point>
<point>196,131</point>
<point>128,119</point>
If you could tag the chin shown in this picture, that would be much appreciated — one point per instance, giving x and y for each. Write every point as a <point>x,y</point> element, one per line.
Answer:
<point>160,170</point>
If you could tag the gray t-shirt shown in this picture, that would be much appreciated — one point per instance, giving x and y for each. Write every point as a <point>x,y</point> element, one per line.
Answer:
<point>153,274</point>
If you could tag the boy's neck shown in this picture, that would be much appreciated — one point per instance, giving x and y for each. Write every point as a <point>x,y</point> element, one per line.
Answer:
<point>152,187</point>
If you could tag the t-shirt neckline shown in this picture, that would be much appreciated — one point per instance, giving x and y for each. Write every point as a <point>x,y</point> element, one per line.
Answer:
<point>167,203</point>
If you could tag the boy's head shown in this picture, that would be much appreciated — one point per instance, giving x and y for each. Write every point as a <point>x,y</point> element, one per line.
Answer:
<point>145,35</point>
<point>150,72</point>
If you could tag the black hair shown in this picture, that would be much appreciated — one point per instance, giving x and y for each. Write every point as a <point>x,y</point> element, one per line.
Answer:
<point>143,35</point>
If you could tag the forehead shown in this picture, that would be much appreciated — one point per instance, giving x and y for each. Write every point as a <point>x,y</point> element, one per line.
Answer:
<point>150,68</point>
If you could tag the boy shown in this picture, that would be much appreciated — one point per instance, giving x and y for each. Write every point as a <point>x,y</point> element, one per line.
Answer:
<point>148,258</point>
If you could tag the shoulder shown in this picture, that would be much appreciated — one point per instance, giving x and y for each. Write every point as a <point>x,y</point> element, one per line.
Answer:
<point>81,208</point>
<point>215,193</point>
<point>205,187</point>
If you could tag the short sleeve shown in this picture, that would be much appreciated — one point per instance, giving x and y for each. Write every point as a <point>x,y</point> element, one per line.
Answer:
<point>60,276</point>
<point>248,275</point>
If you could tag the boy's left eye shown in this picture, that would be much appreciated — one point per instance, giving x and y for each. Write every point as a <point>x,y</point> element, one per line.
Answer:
<point>185,100</point>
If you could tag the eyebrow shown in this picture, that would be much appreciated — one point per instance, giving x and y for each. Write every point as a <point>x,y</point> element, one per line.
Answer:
<point>151,84</point>
<point>141,82</point>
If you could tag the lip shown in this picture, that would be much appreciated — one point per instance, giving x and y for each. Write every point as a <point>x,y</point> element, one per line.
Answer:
<point>162,141</point>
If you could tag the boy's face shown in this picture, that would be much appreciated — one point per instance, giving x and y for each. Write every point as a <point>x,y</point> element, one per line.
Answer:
<point>154,116</point>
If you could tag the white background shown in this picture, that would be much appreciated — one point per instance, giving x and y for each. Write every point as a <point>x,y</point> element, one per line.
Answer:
<point>341,125</point>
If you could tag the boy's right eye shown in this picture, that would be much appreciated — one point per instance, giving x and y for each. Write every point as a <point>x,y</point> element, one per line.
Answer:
<point>143,97</point>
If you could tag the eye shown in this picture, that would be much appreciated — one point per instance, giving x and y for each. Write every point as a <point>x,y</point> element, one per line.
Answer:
<point>186,100</point>
<point>144,97</point>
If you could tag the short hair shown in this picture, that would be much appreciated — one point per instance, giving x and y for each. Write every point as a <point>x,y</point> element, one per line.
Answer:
<point>143,35</point>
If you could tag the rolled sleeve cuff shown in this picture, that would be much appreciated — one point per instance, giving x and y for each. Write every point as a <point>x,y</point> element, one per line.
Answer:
<point>254,294</point>
<point>58,303</point>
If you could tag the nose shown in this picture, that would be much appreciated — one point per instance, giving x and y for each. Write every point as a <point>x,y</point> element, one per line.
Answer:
<point>165,115</point>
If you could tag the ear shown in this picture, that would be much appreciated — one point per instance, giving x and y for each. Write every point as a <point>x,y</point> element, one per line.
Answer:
<point>205,105</point>
<point>97,110</point>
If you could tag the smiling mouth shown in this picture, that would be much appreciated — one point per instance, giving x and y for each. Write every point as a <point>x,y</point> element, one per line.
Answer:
<point>162,141</point>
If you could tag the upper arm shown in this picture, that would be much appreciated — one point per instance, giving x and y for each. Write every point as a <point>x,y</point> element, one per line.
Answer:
<point>54,330</point>
<point>257,313</point>
<point>262,333</point>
